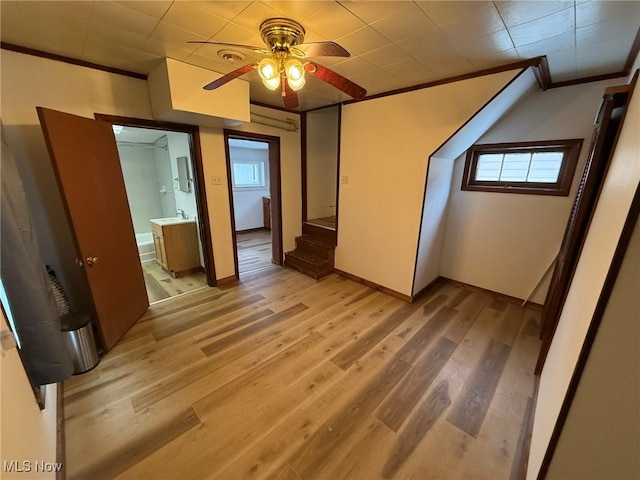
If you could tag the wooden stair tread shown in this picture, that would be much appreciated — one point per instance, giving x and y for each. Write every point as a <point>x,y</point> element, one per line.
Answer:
<point>317,241</point>
<point>307,257</point>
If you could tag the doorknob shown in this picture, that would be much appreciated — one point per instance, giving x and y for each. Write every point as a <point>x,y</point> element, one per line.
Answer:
<point>92,260</point>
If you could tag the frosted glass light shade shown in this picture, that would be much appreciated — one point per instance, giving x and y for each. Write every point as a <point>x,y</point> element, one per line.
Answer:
<point>295,74</point>
<point>269,73</point>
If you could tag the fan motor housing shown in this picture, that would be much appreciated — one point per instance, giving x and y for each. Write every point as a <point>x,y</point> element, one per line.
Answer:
<point>280,34</point>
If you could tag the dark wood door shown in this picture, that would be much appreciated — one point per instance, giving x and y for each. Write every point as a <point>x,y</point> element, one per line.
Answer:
<point>606,128</point>
<point>85,159</point>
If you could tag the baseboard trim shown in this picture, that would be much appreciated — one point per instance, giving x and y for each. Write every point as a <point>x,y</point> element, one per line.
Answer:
<point>508,298</point>
<point>374,285</point>
<point>61,449</point>
<point>434,283</point>
<point>521,457</point>
<point>225,280</point>
<point>255,229</point>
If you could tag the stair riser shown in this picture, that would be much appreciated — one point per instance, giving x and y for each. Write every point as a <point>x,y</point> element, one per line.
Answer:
<point>306,268</point>
<point>317,250</point>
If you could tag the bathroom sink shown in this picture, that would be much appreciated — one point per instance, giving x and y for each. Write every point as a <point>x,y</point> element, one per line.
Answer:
<point>171,220</point>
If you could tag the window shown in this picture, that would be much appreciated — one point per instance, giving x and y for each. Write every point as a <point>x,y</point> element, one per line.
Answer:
<point>541,168</point>
<point>248,174</point>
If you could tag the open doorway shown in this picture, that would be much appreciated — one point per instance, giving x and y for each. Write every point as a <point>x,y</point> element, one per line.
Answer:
<point>253,163</point>
<point>158,171</point>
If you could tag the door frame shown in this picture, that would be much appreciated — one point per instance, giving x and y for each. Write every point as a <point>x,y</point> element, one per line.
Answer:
<point>275,191</point>
<point>199,183</point>
<point>603,145</point>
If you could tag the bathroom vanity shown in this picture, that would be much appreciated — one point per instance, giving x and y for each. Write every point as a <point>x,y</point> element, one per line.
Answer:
<point>176,244</point>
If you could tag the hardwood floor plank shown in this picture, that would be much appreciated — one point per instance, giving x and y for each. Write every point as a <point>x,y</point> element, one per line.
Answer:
<point>399,404</point>
<point>429,308</point>
<point>198,318</point>
<point>155,291</point>
<point>130,454</point>
<point>408,439</point>
<point>345,358</point>
<point>421,340</point>
<point>270,403</point>
<point>243,334</point>
<point>328,438</point>
<point>469,411</point>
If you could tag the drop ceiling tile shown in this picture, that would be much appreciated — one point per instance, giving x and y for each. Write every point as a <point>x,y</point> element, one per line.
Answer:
<point>562,64</point>
<point>371,12</point>
<point>625,27</point>
<point>494,59</point>
<point>362,41</point>
<point>155,9</point>
<point>412,71</point>
<point>212,64</point>
<point>225,9</point>
<point>376,82</point>
<point>252,16</point>
<point>334,21</point>
<point>232,33</point>
<point>591,12</point>
<point>83,7</point>
<point>428,43</point>
<point>516,12</point>
<point>298,11</point>
<point>103,32</point>
<point>447,12</point>
<point>406,23</point>
<point>487,20</point>
<point>190,17</point>
<point>385,56</point>
<point>471,45</point>
<point>123,17</point>
<point>548,45</point>
<point>352,66</point>
<point>604,57</point>
<point>107,53</point>
<point>447,66</point>
<point>536,30</point>
<point>10,23</point>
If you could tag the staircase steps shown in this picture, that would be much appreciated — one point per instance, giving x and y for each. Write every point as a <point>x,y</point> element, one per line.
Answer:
<point>313,256</point>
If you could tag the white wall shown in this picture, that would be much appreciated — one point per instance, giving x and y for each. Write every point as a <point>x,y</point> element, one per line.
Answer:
<point>140,180</point>
<point>69,88</point>
<point>26,432</point>
<point>166,185</point>
<point>322,162</point>
<point>504,242</point>
<point>215,166</point>
<point>615,198</point>
<point>178,143</point>
<point>385,146</point>
<point>247,202</point>
<point>84,91</point>
<point>601,436</point>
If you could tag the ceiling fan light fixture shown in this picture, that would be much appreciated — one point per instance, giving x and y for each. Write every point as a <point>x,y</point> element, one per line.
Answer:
<point>295,74</point>
<point>269,73</point>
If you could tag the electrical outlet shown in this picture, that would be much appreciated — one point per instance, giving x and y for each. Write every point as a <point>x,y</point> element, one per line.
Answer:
<point>344,179</point>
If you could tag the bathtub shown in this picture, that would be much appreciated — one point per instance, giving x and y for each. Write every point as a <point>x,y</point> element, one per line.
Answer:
<point>146,248</point>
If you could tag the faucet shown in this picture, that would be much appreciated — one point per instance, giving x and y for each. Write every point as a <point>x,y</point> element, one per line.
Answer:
<point>182,214</point>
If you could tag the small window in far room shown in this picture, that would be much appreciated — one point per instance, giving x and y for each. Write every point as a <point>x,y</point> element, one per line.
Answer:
<point>538,168</point>
<point>248,175</point>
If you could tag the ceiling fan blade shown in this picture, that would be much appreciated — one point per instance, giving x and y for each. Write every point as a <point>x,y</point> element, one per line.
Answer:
<point>321,49</point>
<point>289,96</point>
<point>233,45</point>
<point>230,76</point>
<point>327,75</point>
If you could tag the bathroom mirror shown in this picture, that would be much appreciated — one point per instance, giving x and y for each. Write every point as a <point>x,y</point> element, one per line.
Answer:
<point>184,179</point>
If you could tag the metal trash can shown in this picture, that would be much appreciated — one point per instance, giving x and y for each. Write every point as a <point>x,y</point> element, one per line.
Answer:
<point>77,331</point>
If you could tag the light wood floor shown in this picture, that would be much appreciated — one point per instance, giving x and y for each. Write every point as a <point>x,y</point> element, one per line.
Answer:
<point>283,377</point>
<point>160,285</point>
<point>326,222</point>
<point>254,250</point>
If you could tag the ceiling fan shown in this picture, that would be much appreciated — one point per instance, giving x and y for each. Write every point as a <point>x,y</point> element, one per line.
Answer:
<point>282,67</point>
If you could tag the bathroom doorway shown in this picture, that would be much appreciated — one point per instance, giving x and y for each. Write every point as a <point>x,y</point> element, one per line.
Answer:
<point>253,163</point>
<point>158,170</point>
